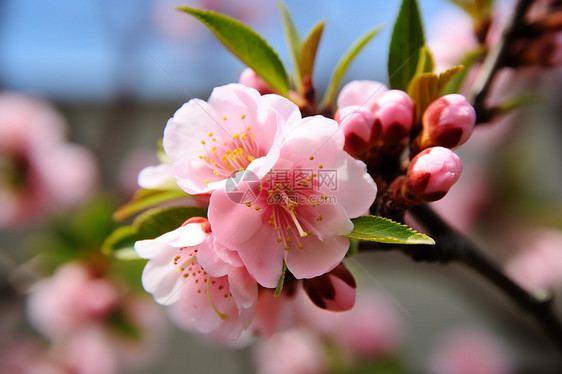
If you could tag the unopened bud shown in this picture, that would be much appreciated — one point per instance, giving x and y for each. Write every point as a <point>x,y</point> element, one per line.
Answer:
<point>358,125</point>
<point>250,79</point>
<point>394,110</point>
<point>361,92</point>
<point>333,291</point>
<point>432,173</point>
<point>447,122</point>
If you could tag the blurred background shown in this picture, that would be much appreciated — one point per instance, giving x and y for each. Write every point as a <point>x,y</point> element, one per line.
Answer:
<point>115,71</point>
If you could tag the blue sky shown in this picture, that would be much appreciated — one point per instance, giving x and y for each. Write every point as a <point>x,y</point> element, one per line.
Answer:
<point>91,50</point>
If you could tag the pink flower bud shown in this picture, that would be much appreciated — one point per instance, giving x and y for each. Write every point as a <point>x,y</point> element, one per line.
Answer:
<point>333,291</point>
<point>433,172</point>
<point>358,125</point>
<point>447,122</point>
<point>249,78</point>
<point>394,110</point>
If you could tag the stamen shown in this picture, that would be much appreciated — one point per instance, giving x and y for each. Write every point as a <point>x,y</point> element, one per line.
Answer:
<point>222,316</point>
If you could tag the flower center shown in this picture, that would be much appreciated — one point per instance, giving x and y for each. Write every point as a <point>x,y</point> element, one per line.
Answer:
<point>186,264</point>
<point>226,156</point>
<point>292,195</point>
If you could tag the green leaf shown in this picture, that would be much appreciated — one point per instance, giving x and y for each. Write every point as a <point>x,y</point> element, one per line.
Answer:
<point>407,39</point>
<point>455,84</point>
<point>446,76</point>
<point>247,45</point>
<point>149,225</point>
<point>426,88</point>
<point>425,61</point>
<point>148,198</point>
<point>309,47</point>
<point>520,100</point>
<point>294,41</point>
<point>384,230</point>
<point>279,287</point>
<point>345,62</point>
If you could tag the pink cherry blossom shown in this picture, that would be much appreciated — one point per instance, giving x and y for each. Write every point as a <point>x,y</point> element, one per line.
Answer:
<point>295,351</point>
<point>236,129</point>
<point>75,311</point>
<point>276,314</point>
<point>297,216</point>
<point>371,328</point>
<point>211,290</point>
<point>72,298</point>
<point>40,171</point>
<point>468,351</point>
<point>538,263</point>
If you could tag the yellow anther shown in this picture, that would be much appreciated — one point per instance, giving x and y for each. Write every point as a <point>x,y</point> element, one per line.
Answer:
<point>300,246</point>
<point>243,116</point>
<point>320,166</point>
<point>248,203</point>
<point>224,118</point>
<point>278,240</point>
<point>210,134</point>
<point>257,208</point>
<point>202,142</point>
<point>235,136</point>
<point>311,158</point>
<point>249,128</point>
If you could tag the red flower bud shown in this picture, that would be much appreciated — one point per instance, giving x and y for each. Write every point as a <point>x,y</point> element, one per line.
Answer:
<point>358,125</point>
<point>333,291</point>
<point>249,78</point>
<point>447,122</point>
<point>394,110</point>
<point>432,173</point>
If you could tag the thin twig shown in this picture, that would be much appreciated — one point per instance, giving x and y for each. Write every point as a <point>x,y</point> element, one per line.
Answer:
<point>496,59</point>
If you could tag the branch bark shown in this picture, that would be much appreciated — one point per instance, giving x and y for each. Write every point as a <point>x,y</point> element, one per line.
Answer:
<point>452,246</point>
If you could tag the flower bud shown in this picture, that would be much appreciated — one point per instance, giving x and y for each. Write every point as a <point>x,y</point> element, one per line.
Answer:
<point>447,122</point>
<point>250,78</point>
<point>333,291</point>
<point>432,173</point>
<point>394,110</point>
<point>358,125</point>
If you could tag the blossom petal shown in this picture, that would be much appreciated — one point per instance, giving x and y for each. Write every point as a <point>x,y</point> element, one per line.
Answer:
<point>355,189</point>
<point>317,256</point>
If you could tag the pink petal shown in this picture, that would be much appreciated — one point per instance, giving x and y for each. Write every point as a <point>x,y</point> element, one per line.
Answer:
<point>317,256</point>
<point>156,176</point>
<point>360,92</point>
<point>356,190</point>
<point>315,137</point>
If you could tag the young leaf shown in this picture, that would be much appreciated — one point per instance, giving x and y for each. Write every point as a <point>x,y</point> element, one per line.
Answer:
<point>425,61</point>
<point>345,62</point>
<point>294,42</point>
<point>406,41</point>
<point>426,88</point>
<point>384,230</point>
<point>245,44</point>
<point>309,47</point>
<point>148,225</point>
<point>455,84</point>
<point>520,100</point>
<point>446,76</point>
<point>147,198</point>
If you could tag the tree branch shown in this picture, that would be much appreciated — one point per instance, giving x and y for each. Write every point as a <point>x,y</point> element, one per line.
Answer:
<point>496,59</point>
<point>452,246</point>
